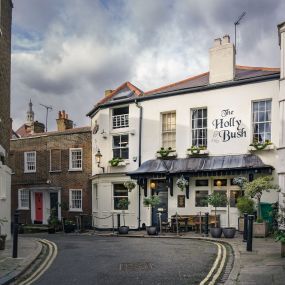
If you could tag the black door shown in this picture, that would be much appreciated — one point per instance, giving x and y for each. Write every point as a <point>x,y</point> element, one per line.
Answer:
<point>162,191</point>
<point>54,203</point>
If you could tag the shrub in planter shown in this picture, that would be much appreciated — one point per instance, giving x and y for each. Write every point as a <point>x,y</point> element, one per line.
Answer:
<point>53,222</point>
<point>151,202</point>
<point>245,205</point>
<point>123,205</point>
<point>280,236</point>
<point>69,226</point>
<point>215,200</point>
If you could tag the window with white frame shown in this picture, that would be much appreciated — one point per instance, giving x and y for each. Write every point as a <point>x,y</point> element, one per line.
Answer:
<point>23,199</point>
<point>75,159</point>
<point>261,120</point>
<point>75,200</point>
<point>199,126</point>
<point>120,117</point>
<point>121,146</point>
<point>169,130</point>
<point>120,192</point>
<point>30,161</point>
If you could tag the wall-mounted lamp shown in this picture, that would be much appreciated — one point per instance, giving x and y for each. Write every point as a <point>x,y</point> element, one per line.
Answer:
<point>98,156</point>
<point>152,185</point>
<point>219,183</point>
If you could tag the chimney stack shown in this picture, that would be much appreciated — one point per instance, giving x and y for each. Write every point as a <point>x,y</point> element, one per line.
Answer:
<point>222,60</point>
<point>63,123</point>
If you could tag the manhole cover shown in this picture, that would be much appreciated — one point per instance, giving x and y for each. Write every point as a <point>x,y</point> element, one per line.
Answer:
<point>136,266</point>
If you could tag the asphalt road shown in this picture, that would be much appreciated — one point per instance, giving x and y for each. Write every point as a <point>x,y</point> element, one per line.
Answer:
<point>95,260</point>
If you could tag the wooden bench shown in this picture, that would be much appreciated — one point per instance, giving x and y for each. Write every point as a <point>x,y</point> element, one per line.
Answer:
<point>191,222</point>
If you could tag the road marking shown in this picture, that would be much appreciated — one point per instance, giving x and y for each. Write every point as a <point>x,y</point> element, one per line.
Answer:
<point>52,253</point>
<point>217,266</point>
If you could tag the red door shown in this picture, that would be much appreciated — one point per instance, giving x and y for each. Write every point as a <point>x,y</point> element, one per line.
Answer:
<point>39,206</point>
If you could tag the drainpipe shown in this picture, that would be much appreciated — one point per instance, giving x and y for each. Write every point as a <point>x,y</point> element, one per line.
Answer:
<point>140,158</point>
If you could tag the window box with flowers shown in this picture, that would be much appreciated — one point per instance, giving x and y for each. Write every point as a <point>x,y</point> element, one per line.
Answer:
<point>166,153</point>
<point>266,145</point>
<point>197,150</point>
<point>116,161</point>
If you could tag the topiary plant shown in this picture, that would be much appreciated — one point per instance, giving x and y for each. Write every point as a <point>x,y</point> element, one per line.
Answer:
<point>217,199</point>
<point>245,205</point>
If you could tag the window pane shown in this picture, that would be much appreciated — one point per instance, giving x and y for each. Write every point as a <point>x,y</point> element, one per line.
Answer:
<point>201,199</point>
<point>234,195</point>
<point>222,181</point>
<point>199,127</point>
<point>202,182</point>
<point>116,141</point>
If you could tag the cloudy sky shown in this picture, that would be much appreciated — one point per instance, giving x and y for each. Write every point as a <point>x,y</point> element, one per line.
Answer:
<point>65,53</point>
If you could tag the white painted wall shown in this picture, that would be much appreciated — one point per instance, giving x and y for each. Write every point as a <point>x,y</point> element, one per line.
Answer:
<point>237,99</point>
<point>5,199</point>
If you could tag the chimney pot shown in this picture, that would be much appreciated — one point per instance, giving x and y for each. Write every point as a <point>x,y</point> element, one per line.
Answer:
<point>108,92</point>
<point>217,42</point>
<point>226,39</point>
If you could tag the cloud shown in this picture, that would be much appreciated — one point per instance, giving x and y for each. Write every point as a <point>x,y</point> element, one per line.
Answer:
<point>67,52</point>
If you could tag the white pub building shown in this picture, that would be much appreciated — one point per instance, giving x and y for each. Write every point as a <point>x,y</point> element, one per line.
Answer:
<point>209,121</point>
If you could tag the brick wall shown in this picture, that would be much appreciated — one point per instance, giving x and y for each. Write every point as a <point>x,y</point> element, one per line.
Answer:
<point>5,73</point>
<point>65,179</point>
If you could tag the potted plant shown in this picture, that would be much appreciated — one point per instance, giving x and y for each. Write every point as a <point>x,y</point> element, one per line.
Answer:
<point>115,161</point>
<point>53,222</point>
<point>151,202</point>
<point>130,185</point>
<point>182,183</point>
<point>165,152</point>
<point>245,205</point>
<point>255,189</point>
<point>195,150</point>
<point>280,236</point>
<point>216,199</point>
<point>229,232</point>
<point>123,205</point>
<point>2,236</point>
<point>69,226</point>
<point>260,145</point>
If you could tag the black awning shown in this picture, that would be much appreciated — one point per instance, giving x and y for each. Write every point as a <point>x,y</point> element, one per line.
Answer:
<point>207,165</point>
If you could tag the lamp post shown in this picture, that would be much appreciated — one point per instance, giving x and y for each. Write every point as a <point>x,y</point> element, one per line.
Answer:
<point>98,156</point>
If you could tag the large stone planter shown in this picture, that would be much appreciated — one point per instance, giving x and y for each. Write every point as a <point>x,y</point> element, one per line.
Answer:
<point>229,232</point>
<point>123,230</point>
<point>260,229</point>
<point>151,230</point>
<point>241,224</point>
<point>2,241</point>
<point>216,232</point>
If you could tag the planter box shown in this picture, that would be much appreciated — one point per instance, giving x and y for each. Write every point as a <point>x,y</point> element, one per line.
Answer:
<point>260,229</point>
<point>201,152</point>
<point>170,155</point>
<point>122,163</point>
<point>269,147</point>
<point>240,224</point>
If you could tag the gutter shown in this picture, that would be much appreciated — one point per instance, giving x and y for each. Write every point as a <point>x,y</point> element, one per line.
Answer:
<point>140,158</point>
<point>236,82</point>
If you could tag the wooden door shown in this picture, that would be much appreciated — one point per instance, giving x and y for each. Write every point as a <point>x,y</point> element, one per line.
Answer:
<point>39,207</point>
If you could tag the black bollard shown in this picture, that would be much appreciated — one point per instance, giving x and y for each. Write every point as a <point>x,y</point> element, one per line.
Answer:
<point>206,224</point>
<point>15,234</point>
<point>249,233</point>
<point>245,226</point>
<point>118,220</point>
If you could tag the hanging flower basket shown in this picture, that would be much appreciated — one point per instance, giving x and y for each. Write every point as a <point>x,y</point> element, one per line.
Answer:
<point>182,183</point>
<point>130,185</point>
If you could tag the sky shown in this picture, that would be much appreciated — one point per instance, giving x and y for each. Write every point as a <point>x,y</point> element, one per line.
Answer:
<point>65,53</point>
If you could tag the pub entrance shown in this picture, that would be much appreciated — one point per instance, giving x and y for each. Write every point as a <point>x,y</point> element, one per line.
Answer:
<point>161,190</point>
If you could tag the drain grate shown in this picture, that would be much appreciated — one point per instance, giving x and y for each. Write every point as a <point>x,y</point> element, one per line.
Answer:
<point>136,266</point>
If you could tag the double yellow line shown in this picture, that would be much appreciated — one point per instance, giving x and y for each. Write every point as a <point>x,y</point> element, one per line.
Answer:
<point>52,253</point>
<point>218,265</point>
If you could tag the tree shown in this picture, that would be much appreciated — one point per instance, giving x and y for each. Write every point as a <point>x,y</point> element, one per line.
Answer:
<point>255,189</point>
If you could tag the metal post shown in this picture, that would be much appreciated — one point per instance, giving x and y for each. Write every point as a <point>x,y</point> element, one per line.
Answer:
<point>249,233</point>
<point>245,226</point>
<point>159,217</point>
<point>113,224</point>
<point>15,234</point>
<point>206,224</point>
<point>118,220</point>
<point>176,224</point>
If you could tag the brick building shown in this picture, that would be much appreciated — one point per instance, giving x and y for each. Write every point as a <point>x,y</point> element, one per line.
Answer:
<point>52,170</point>
<point>5,120</point>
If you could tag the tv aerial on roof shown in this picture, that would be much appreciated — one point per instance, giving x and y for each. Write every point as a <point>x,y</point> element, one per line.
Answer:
<point>48,108</point>
<point>237,22</point>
